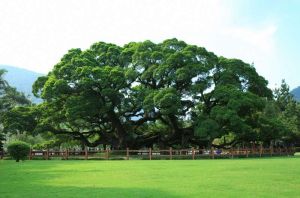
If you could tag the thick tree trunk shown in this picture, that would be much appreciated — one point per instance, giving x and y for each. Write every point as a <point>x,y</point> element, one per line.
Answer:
<point>119,129</point>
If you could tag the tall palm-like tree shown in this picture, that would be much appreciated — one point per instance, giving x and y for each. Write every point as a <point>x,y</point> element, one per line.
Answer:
<point>9,97</point>
<point>3,85</point>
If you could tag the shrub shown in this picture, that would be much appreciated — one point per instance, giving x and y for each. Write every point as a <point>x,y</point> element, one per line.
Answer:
<point>18,150</point>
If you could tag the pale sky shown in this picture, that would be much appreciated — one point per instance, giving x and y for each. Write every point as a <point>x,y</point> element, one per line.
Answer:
<point>35,34</point>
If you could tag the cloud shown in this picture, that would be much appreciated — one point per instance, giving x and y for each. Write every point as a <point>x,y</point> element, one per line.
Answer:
<point>256,44</point>
<point>259,38</point>
<point>35,34</point>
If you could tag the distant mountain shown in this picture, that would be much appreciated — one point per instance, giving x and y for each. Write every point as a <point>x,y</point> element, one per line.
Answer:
<point>296,93</point>
<point>22,79</point>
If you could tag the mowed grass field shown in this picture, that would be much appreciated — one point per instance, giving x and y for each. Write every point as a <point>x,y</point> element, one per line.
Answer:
<point>265,177</point>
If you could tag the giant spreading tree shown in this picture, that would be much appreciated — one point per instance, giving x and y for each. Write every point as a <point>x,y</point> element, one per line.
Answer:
<point>141,94</point>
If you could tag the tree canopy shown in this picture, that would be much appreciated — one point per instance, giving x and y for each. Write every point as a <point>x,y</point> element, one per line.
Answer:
<point>145,94</point>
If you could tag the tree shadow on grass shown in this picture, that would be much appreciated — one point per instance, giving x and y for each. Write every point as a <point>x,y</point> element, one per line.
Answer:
<point>89,192</point>
<point>32,180</point>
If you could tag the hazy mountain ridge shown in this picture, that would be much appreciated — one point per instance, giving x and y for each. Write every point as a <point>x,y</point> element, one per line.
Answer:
<point>296,93</point>
<point>22,79</point>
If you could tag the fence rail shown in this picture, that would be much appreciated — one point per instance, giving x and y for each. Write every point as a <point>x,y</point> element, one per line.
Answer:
<point>151,154</point>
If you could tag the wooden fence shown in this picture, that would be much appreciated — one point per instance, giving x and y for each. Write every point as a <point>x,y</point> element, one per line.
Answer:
<point>149,154</point>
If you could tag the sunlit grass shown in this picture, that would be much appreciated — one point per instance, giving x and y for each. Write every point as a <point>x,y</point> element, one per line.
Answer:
<point>266,177</point>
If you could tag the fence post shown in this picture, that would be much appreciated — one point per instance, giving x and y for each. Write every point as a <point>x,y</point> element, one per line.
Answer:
<point>150,153</point>
<point>85,153</point>
<point>170,153</point>
<point>293,150</point>
<point>231,151</point>
<point>47,154</point>
<point>107,154</point>
<point>64,154</point>
<point>30,154</point>
<point>271,150</point>
<point>193,153</point>
<point>247,152</point>
<point>127,153</point>
<point>67,154</point>
<point>279,150</point>
<point>260,150</point>
<point>212,152</point>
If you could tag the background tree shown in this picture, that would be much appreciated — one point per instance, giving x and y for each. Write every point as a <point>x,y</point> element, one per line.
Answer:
<point>9,97</point>
<point>289,113</point>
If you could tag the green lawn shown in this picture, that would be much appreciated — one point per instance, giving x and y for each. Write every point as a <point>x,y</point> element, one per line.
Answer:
<point>273,177</point>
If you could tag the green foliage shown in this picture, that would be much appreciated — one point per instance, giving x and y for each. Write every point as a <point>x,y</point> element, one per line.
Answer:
<point>167,101</point>
<point>208,129</point>
<point>288,113</point>
<point>9,98</point>
<point>20,119</point>
<point>22,80</point>
<point>18,150</point>
<point>121,96</point>
<point>283,96</point>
